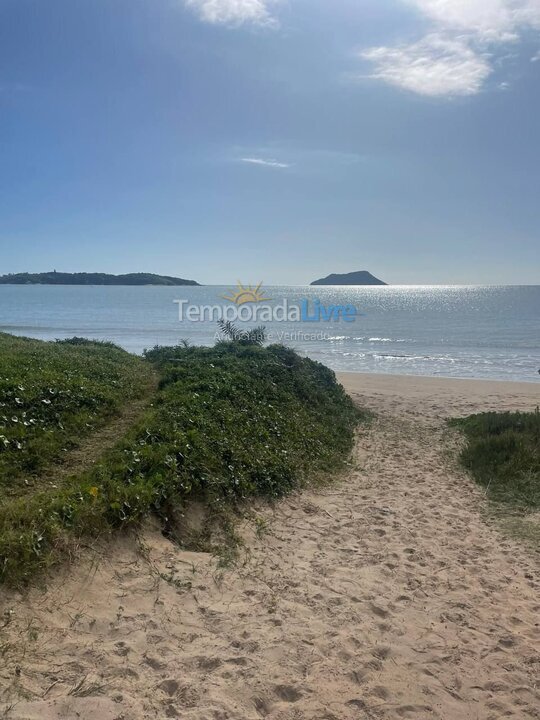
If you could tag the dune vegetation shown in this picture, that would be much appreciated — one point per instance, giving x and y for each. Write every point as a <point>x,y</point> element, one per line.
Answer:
<point>502,452</point>
<point>225,423</point>
<point>54,394</point>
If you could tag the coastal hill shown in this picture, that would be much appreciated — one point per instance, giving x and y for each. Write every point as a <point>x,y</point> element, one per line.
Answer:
<point>61,278</point>
<point>360,277</point>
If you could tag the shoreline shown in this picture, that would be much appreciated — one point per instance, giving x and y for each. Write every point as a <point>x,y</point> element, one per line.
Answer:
<point>442,378</point>
<point>422,395</point>
<point>135,346</point>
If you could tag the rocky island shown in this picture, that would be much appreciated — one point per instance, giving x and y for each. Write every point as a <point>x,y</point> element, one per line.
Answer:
<point>360,277</point>
<point>62,278</point>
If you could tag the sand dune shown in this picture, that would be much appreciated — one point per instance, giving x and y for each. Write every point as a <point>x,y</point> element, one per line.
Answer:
<point>386,595</point>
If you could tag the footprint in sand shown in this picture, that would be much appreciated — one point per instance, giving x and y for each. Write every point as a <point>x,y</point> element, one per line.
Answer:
<point>288,693</point>
<point>379,611</point>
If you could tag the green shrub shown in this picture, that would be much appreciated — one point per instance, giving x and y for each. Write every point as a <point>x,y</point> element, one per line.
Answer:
<point>503,454</point>
<point>227,423</point>
<point>52,394</point>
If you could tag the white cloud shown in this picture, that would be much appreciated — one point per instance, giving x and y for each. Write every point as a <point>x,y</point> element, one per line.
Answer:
<point>266,162</point>
<point>454,57</point>
<point>491,19</point>
<point>433,66</point>
<point>233,12</point>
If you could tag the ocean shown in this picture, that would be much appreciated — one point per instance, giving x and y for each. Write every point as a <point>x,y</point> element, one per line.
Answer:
<point>454,331</point>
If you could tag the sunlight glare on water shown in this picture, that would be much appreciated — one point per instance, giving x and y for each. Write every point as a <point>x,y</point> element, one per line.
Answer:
<point>454,331</point>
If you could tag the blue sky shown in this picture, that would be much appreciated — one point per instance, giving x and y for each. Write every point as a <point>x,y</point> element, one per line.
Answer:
<point>274,140</point>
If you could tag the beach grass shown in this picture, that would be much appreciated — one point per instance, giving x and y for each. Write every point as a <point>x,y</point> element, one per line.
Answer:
<point>54,394</point>
<point>502,452</point>
<point>226,423</point>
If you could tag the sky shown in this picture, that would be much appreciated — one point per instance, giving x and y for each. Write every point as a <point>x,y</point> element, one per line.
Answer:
<point>272,140</point>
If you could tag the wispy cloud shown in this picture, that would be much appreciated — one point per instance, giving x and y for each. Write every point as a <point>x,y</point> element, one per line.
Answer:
<point>234,12</point>
<point>496,20</point>
<point>456,56</point>
<point>435,66</point>
<point>266,162</point>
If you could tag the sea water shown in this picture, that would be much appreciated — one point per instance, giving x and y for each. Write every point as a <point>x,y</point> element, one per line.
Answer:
<point>454,331</point>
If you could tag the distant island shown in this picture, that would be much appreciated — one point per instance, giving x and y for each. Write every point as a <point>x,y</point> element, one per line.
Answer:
<point>61,278</point>
<point>361,277</point>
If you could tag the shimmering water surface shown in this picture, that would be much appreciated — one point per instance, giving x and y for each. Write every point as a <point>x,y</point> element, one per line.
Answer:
<point>454,331</point>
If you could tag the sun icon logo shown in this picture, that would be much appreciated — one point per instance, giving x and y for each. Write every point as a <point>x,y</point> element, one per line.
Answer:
<point>246,294</point>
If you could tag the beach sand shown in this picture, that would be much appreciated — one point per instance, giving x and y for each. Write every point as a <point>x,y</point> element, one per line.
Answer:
<point>391,593</point>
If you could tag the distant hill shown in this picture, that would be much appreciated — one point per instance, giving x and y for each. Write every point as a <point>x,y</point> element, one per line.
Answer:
<point>60,278</point>
<point>361,277</point>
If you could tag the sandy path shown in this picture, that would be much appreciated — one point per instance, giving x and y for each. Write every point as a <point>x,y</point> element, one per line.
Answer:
<point>384,596</point>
